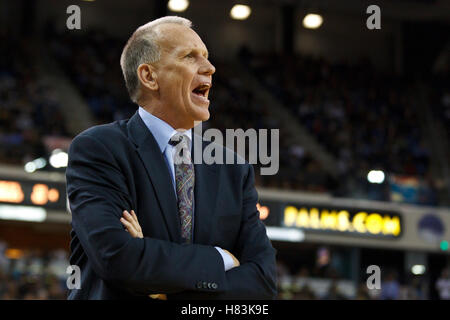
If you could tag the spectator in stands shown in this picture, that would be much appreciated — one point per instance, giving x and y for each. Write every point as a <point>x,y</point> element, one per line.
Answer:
<point>443,284</point>
<point>303,293</point>
<point>390,288</point>
<point>362,292</point>
<point>334,293</point>
<point>416,289</point>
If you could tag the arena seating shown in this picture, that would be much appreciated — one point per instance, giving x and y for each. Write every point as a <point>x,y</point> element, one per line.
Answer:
<point>353,111</point>
<point>29,109</point>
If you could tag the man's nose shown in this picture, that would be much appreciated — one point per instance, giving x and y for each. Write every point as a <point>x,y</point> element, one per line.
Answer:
<point>207,68</point>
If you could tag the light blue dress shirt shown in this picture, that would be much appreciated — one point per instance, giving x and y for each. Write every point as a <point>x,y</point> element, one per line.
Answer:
<point>162,132</point>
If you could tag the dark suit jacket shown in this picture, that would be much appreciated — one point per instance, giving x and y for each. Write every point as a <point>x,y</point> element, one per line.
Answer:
<point>119,166</point>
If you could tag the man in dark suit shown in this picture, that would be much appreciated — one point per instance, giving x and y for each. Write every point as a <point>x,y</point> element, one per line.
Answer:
<point>147,219</point>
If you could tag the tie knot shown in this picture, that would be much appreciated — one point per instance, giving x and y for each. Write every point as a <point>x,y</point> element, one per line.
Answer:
<point>177,138</point>
<point>182,154</point>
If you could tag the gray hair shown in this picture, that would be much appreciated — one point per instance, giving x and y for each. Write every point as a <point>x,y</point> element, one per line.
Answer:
<point>142,47</point>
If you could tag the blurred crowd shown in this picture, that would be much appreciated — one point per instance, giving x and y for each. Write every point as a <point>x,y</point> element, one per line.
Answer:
<point>234,106</point>
<point>29,107</point>
<point>32,274</point>
<point>92,63</point>
<point>365,118</point>
<point>315,284</point>
<point>439,96</point>
<point>38,274</point>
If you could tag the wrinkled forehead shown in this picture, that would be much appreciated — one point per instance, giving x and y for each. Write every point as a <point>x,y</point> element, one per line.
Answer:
<point>178,37</point>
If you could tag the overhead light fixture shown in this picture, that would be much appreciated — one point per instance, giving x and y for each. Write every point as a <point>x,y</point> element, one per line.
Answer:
<point>59,159</point>
<point>312,21</point>
<point>375,176</point>
<point>240,12</point>
<point>178,5</point>
<point>34,165</point>
<point>30,167</point>
<point>418,269</point>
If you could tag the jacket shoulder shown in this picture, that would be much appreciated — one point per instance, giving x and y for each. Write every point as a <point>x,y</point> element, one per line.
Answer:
<point>105,133</point>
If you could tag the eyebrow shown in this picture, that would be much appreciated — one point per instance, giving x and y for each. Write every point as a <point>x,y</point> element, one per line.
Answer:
<point>191,49</point>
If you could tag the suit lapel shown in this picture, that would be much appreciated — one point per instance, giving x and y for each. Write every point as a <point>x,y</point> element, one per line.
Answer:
<point>205,194</point>
<point>156,167</point>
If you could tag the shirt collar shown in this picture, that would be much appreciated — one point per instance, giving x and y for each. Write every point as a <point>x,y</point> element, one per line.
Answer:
<point>161,130</point>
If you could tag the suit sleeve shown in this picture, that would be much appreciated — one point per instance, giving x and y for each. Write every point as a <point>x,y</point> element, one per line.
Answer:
<point>98,195</point>
<point>255,278</point>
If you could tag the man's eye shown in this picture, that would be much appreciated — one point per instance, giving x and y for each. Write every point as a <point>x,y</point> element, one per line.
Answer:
<point>189,55</point>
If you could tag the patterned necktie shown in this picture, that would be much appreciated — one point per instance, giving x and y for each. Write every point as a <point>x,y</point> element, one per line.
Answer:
<point>184,178</point>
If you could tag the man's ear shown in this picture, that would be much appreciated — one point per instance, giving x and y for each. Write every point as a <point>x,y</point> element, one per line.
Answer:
<point>147,76</point>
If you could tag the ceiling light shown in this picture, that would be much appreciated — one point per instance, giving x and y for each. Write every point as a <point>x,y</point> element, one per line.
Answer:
<point>240,12</point>
<point>312,21</point>
<point>418,269</point>
<point>59,158</point>
<point>375,176</point>
<point>178,5</point>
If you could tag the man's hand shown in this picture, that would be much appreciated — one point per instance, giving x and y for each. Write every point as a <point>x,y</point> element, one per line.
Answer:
<point>131,224</point>
<point>235,260</point>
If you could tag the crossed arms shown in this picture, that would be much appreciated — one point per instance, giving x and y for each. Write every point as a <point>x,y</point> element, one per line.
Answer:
<point>98,194</point>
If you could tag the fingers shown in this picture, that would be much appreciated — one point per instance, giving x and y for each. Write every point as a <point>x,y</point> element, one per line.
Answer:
<point>131,218</point>
<point>129,226</point>
<point>135,221</point>
<point>134,215</point>
<point>158,296</point>
<point>131,223</point>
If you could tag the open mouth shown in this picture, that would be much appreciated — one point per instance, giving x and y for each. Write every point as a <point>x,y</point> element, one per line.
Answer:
<point>202,90</point>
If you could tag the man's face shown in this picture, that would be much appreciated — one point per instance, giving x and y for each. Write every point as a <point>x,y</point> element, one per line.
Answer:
<point>184,76</point>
